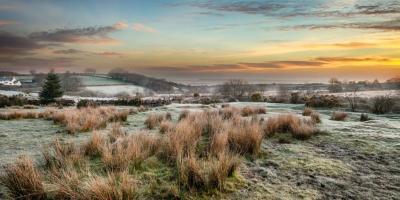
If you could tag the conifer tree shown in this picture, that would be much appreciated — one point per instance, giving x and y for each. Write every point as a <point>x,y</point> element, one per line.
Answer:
<point>51,89</point>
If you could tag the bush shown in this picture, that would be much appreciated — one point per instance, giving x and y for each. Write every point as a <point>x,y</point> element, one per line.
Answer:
<point>382,104</point>
<point>364,117</point>
<point>256,97</point>
<point>87,103</point>
<point>339,116</point>
<point>328,101</point>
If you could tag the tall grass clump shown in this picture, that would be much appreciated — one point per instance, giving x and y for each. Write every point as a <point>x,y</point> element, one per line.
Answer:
<point>19,114</point>
<point>339,116</point>
<point>87,118</point>
<point>154,120</point>
<point>248,111</point>
<point>298,127</point>
<point>22,180</point>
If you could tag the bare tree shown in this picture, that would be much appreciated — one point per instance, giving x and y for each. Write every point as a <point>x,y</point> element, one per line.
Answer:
<point>70,83</point>
<point>352,97</point>
<point>234,87</point>
<point>90,71</point>
<point>335,85</point>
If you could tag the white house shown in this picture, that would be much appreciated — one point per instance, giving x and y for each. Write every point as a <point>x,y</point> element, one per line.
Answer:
<point>8,82</point>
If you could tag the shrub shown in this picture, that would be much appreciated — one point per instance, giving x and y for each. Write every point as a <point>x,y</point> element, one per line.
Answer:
<point>256,97</point>
<point>86,103</point>
<point>22,180</point>
<point>329,101</point>
<point>382,104</point>
<point>339,116</point>
<point>364,117</point>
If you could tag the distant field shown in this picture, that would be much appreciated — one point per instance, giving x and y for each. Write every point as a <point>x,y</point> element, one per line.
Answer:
<point>95,80</point>
<point>115,89</point>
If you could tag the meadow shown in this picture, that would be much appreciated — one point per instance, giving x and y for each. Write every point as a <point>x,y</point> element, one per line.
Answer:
<point>194,151</point>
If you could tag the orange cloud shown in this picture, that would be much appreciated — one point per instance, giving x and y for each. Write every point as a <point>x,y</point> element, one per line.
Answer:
<point>7,22</point>
<point>142,28</point>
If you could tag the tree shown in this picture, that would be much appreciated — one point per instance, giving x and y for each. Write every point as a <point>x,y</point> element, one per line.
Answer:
<point>352,97</point>
<point>234,88</point>
<point>51,89</point>
<point>90,71</point>
<point>335,85</point>
<point>70,82</point>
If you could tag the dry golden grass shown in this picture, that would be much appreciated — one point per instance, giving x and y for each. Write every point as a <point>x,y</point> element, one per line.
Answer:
<point>74,120</point>
<point>315,117</point>
<point>61,155</point>
<point>299,128</point>
<point>307,111</point>
<point>67,181</point>
<point>116,132</point>
<point>183,114</point>
<point>95,145</point>
<point>229,112</point>
<point>86,119</point>
<point>245,137</point>
<point>19,114</point>
<point>154,120</point>
<point>339,116</point>
<point>248,111</point>
<point>114,186</point>
<point>23,181</point>
<point>166,126</point>
<point>202,150</point>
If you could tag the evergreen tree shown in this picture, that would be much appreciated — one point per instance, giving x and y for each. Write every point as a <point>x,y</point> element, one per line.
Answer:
<point>51,89</point>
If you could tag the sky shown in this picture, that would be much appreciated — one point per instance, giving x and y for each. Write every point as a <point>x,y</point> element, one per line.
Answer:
<point>205,41</point>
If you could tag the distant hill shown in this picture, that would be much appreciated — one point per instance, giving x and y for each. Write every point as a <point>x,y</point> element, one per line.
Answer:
<point>8,73</point>
<point>155,84</point>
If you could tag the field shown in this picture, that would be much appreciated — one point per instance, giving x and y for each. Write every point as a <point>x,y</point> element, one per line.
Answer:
<point>97,80</point>
<point>346,160</point>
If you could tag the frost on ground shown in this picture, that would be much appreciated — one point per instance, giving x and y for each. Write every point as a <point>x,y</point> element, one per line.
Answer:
<point>116,89</point>
<point>349,160</point>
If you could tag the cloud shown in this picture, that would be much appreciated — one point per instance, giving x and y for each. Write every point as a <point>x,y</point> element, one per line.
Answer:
<point>68,51</point>
<point>121,25</point>
<point>322,8</point>
<point>284,64</point>
<point>7,22</point>
<point>389,25</point>
<point>12,44</point>
<point>79,35</point>
<point>27,63</point>
<point>351,59</point>
<point>76,51</point>
<point>108,53</point>
<point>142,28</point>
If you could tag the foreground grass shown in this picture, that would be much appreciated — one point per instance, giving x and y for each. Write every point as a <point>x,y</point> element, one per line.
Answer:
<point>197,157</point>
